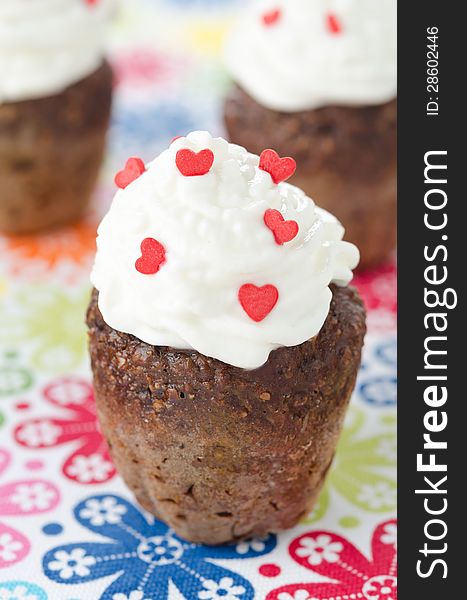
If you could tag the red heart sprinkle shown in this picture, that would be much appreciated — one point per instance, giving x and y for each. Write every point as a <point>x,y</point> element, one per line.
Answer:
<point>258,302</point>
<point>193,164</point>
<point>134,167</point>
<point>152,257</point>
<point>270,18</point>
<point>279,168</point>
<point>284,231</point>
<point>333,23</point>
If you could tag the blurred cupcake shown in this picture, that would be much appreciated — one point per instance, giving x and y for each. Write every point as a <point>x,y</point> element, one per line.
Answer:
<point>224,339</point>
<point>55,97</point>
<point>316,80</point>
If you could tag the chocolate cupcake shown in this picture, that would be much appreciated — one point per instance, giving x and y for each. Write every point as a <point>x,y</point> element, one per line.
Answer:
<point>55,97</point>
<point>316,80</point>
<point>224,340</point>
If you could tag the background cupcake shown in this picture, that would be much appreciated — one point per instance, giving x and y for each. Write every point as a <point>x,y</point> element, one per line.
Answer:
<point>55,96</point>
<point>316,80</point>
<point>223,362</point>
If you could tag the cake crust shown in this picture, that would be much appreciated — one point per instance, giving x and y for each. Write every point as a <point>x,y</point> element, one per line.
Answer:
<point>346,161</point>
<point>51,150</point>
<point>221,453</point>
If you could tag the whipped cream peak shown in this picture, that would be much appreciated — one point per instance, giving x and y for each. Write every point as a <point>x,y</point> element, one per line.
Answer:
<point>294,55</point>
<point>223,261</point>
<point>47,45</point>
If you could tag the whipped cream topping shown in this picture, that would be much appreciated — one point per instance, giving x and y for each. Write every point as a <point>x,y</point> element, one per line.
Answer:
<point>47,45</point>
<point>294,55</point>
<point>213,255</point>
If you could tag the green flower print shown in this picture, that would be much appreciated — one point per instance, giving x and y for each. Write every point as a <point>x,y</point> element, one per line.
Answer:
<point>360,470</point>
<point>319,509</point>
<point>51,323</point>
<point>14,379</point>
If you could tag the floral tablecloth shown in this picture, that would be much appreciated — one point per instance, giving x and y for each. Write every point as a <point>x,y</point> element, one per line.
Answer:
<point>69,528</point>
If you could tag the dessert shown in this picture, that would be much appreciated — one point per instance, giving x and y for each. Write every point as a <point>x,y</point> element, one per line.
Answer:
<point>316,80</point>
<point>224,340</point>
<point>55,97</point>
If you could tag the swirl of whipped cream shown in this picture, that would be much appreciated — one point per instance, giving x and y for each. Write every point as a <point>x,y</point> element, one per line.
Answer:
<point>215,239</point>
<point>47,45</point>
<point>313,53</point>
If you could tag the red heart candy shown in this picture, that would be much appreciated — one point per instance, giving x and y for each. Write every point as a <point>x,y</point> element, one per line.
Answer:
<point>134,167</point>
<point>152,257</point>
<point>193,164</point>
<point>333,23</point>
<point>258,302</point>
<point>279,168</point>
<point>270,18</point>
<point>284,231</point>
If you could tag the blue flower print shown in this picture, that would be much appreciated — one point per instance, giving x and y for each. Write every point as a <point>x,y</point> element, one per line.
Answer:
<point>380,391</point>
<point>146,131</point>
<point>21,590</point>
<point>149,557</point>
<point>387,352</point>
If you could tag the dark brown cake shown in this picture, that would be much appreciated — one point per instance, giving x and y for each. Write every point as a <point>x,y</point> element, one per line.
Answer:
<point>51,150</point>
<point>346,160</point>
<point>221,453</point>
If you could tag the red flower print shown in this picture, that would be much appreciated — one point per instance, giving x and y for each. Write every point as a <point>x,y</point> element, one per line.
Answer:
<point>354,576</point>
<point>19,499</point>
<point>381,588</point>
<point>378,287</point>
<point>141,67</point>
<point>90,463</point>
